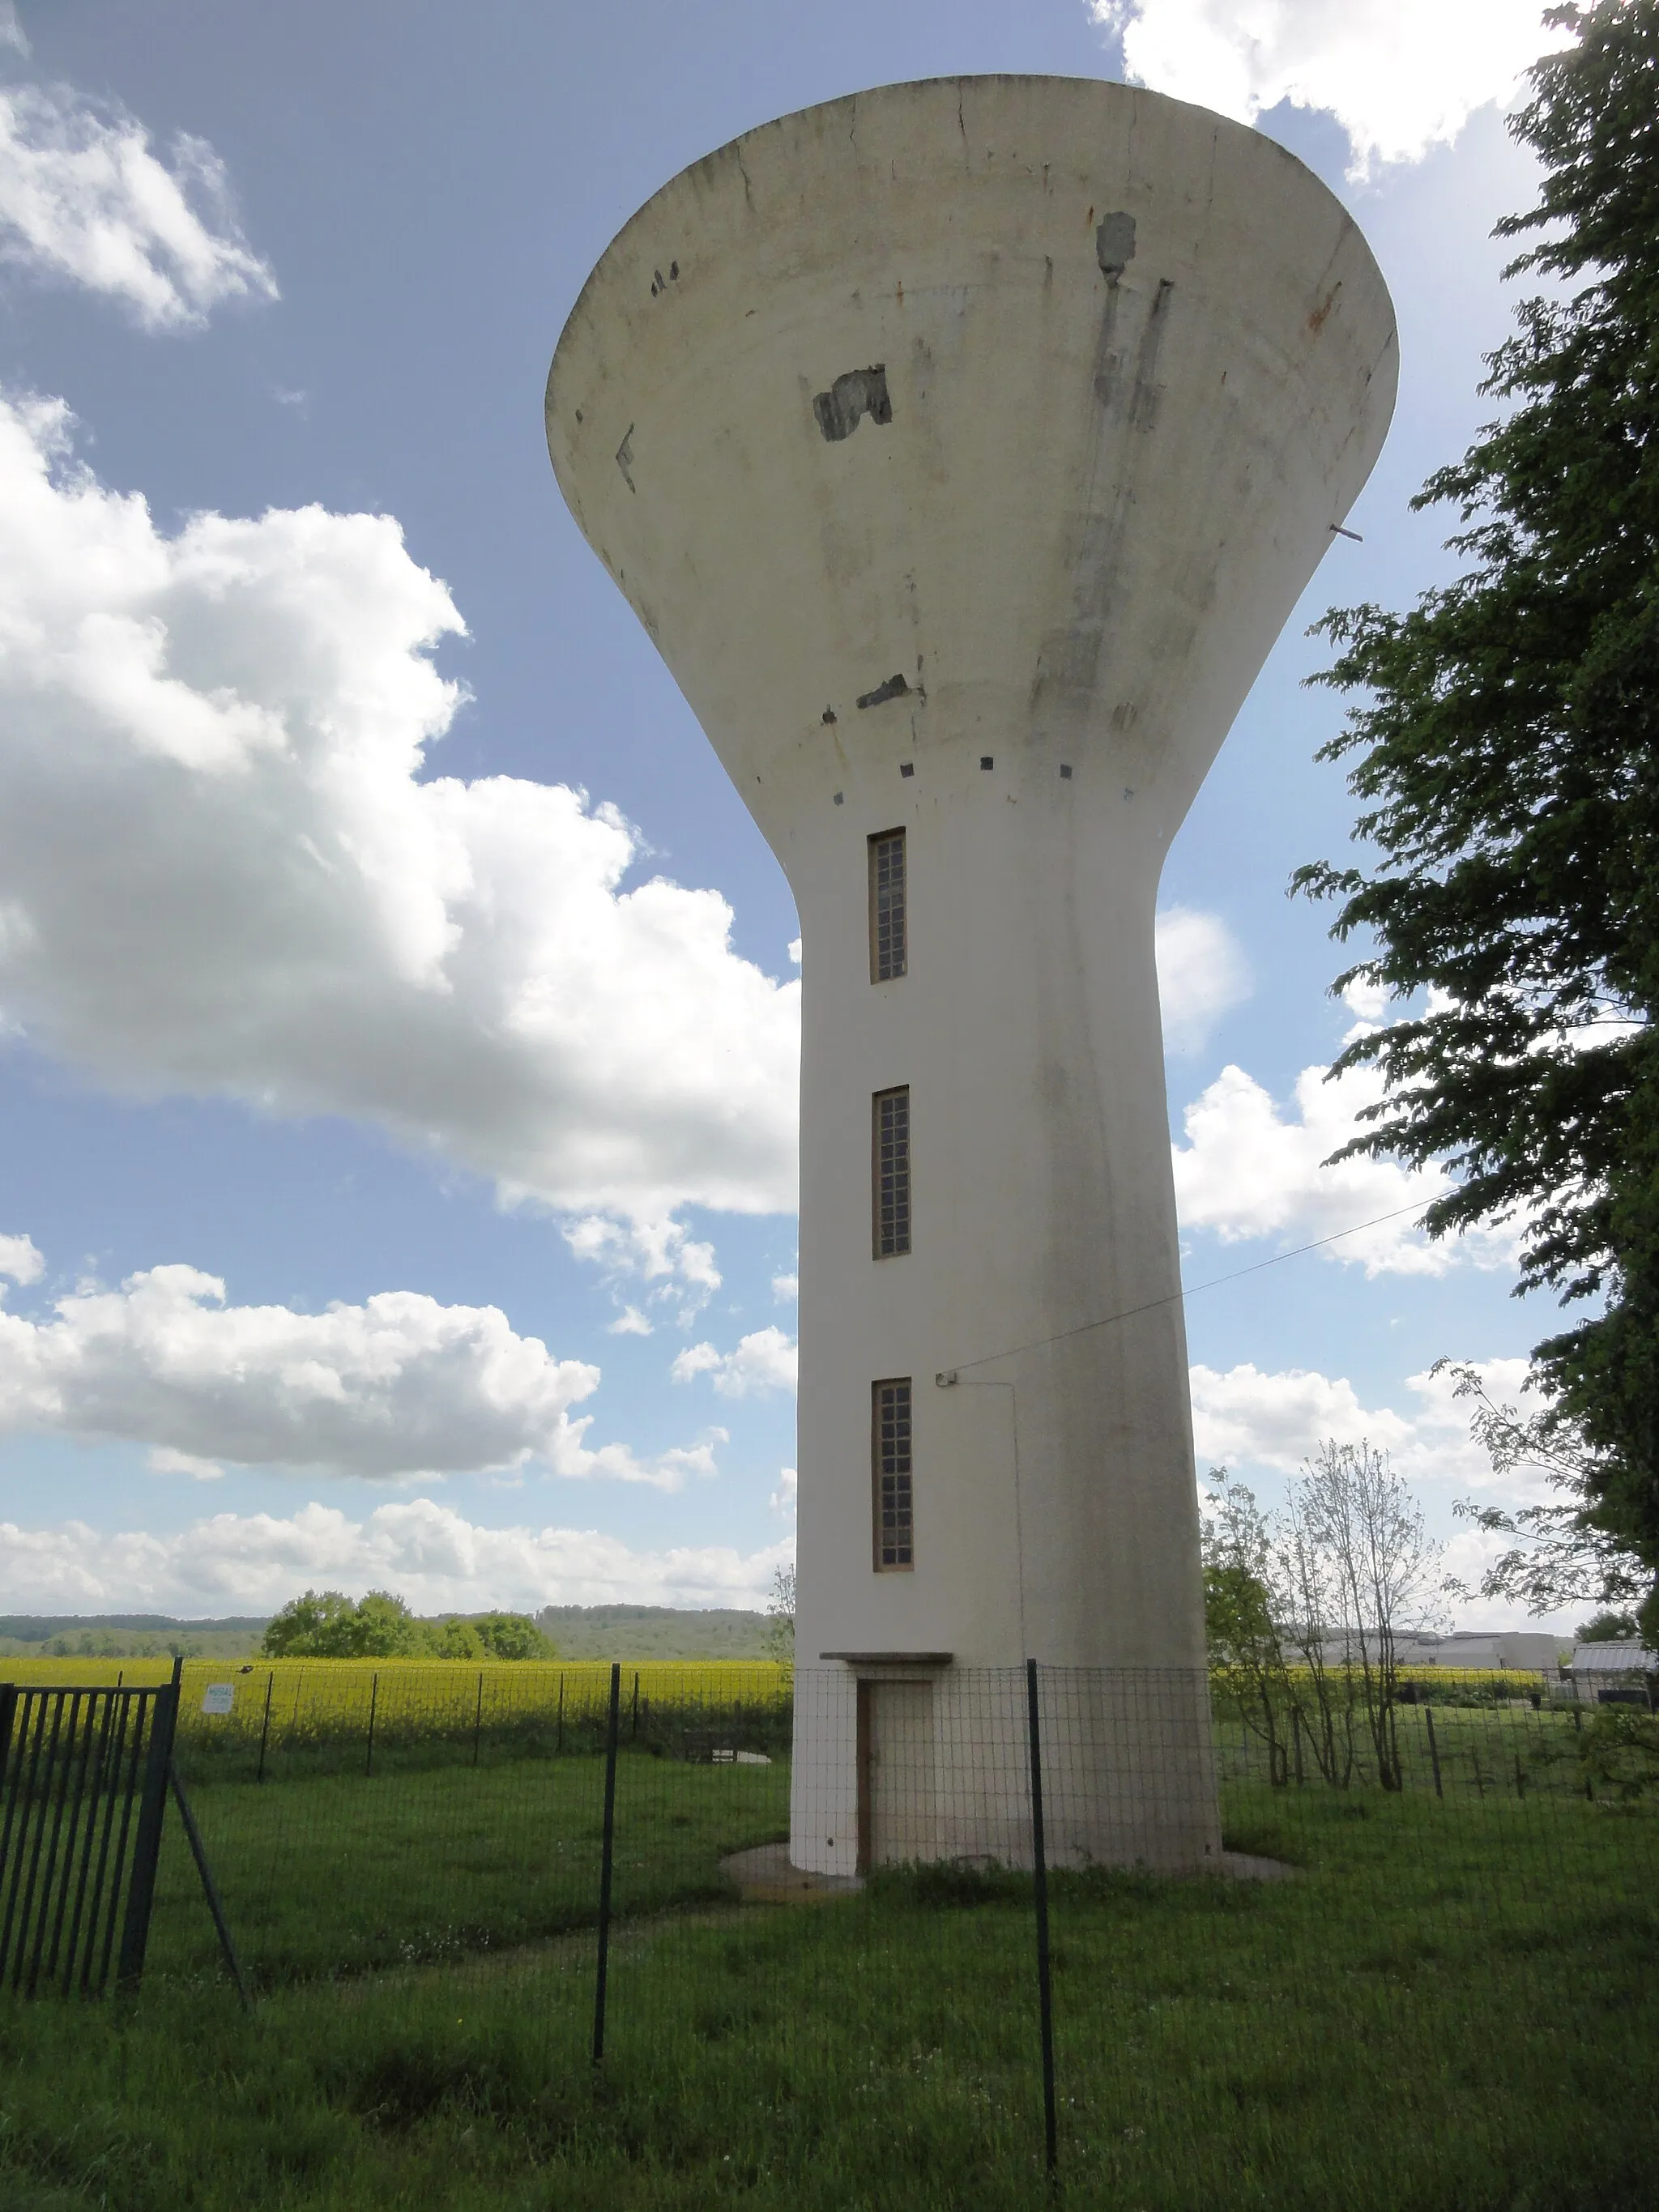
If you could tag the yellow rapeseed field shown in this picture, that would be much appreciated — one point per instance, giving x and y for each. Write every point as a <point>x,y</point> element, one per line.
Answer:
<point>336,1693</point>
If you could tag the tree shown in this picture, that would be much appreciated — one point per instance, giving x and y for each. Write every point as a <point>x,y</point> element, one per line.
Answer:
<point>1304,1607</point>
<point>1562,1554</point>
<point>458,1639</point>
<point>1246,1649</point>
<point>1607,1628</point>
<point>1358,1519</point>
<point>780,1617</point>
<point>328,1626</point>
<point>1507,758</point>
<point>512,1635</point>
<point>309,1627</point>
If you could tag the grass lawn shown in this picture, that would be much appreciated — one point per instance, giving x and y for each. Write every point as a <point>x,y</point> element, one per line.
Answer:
<point>1451,2007</point>
<point>337,1875</point>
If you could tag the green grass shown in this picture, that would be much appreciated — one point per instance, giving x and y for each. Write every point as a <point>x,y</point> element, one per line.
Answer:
<point>1451,2007</point>
<point>340,1875</point>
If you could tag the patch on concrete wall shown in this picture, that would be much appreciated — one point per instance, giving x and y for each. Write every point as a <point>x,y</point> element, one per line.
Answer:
<point>860,393</point>
<point>1114,245</point>
<point>894,688</point>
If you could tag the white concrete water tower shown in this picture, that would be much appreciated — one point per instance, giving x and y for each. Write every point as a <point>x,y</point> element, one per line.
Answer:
<point>963,447</point>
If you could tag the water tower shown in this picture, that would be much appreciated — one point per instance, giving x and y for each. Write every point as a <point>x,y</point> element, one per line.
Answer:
<point>963,447</point>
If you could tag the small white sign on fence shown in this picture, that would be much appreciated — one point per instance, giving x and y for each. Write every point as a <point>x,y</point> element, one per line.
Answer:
<point>218,1698</point>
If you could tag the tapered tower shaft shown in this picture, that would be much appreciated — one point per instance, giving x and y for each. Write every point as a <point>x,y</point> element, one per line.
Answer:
<point>964,447</point>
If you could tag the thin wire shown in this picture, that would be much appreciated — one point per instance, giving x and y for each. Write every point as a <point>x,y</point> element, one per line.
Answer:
<point>1179,1298</point>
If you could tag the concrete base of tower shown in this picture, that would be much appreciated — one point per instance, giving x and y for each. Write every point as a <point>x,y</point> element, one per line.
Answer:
<point>908,1760</point>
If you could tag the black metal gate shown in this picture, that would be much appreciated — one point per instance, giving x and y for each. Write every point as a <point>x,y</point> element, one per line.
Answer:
<point>84,1783</point>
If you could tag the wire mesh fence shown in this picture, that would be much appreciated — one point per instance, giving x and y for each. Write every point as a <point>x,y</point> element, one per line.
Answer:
<point>1278,1943</point>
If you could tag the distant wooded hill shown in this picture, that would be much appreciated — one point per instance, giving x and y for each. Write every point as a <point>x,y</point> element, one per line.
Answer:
<point>655,1631</point>
<point>127,1636</point>
<point>578,1632</point>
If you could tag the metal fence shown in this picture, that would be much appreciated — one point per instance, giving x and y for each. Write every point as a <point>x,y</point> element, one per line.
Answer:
<point>1093,1916</point>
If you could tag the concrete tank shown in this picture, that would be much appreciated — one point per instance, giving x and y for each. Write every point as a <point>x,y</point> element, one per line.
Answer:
<point>963,447</point>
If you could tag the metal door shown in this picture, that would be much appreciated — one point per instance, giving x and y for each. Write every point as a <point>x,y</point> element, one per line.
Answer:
<point>902,1822</point>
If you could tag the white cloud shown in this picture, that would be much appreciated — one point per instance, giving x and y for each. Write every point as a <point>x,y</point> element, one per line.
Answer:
<point>680,1269</point>
<point>786,1289</point>
<point>1368,1001</point>
<point>11,31</point>
<point>1248,1170</point>
<point>765,1360</point>
<point>1401,77</point>
<point>219,874</point>
<point>20,1261</point>
<point>163,1460</point>
<point>430,1554</point>
<point>82,197</point>
<point>1202,974</point>
<point>782,1499</point>
<point>398,1387</point>
<point>631,1322</point>
<point>1247,1417</point>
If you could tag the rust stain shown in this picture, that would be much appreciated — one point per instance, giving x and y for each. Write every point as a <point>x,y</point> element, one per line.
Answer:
<point>1317,320</point>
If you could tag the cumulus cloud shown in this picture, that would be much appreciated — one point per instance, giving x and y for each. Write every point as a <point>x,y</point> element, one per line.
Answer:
<point>1401,77</point>
<point>398,1387</point>
<point>765,1360</point>
<point>782,1499</point>
<point>221,871</point>
<point>1247,1417</point>
<point>19,1260</point>
<point>1250,1170</point>
<point>678,1267</point>
<point>1202,974</point>
<point>786,1289</point>
<point>84,199</point>
<point>436,1560</point>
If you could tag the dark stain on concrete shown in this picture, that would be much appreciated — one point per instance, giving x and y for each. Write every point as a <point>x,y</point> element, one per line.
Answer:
<point>894,688</point>
<point>1115,244</point>
<point>859,392</point>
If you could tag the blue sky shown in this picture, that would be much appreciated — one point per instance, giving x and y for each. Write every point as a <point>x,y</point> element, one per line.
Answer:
<point>378,935</point>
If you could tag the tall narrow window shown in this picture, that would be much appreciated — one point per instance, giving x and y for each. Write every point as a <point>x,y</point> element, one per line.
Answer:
<point>889,1145</point>
<point>890,1452</point>
<point>887,953</point>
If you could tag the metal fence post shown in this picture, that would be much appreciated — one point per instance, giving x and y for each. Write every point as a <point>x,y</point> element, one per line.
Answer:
<point>209,1888</point>
<point>606,1858</point>
<point>264,1725</point>
<point>147,1844</point>
<point>1040,1884</point>
<point>1434,1751</point>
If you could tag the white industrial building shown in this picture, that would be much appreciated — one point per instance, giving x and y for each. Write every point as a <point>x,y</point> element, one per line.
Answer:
<point>963,447</point>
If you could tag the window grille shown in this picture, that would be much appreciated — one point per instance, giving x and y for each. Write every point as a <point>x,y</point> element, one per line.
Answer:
<point>888,948</point>
<point>890,1451</point>
<point>891,1145</point>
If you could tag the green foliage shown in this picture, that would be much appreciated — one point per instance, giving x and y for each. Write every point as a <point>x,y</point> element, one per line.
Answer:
<point>1607,1628</point>
<point>1507,760</point>
<point>327,1625</point>
<point>458,1639</point>
<point>1621,1751</point>
<point>510,1636</point>
<point>781,1618</point>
